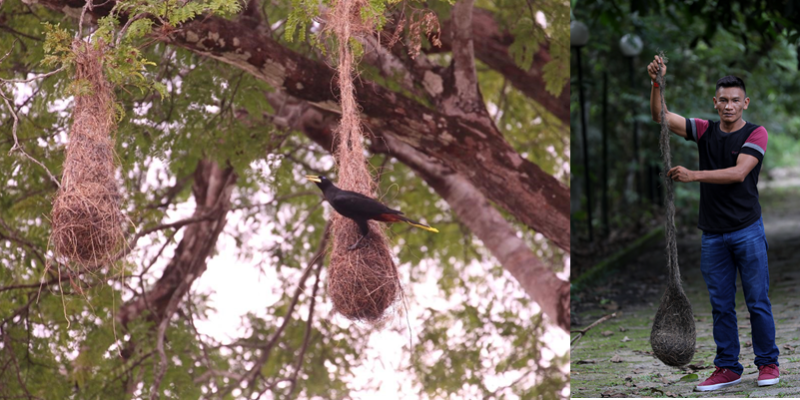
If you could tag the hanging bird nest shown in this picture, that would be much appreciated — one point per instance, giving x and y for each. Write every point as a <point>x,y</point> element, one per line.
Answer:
<point>363,283</point>
<point>673,335</point>
<point>87,221</point>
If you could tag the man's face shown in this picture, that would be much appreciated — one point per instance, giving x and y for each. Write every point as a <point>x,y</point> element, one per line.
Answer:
<point>730,102</point>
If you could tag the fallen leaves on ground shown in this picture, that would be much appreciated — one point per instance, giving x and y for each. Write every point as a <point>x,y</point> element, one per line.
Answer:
<point>654,390</point>
<point>607,333</point>
<point>616,359</point>
<point>690,378</point>
<point>623,329</point>
<point>626,339</point>
<point>587,362</point>
<point>696,367</point>
<point>611,393</point>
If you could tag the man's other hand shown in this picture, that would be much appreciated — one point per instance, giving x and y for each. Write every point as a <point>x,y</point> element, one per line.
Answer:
<point>681,174</point>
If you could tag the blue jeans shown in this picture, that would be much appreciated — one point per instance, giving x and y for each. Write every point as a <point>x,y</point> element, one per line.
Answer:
<point>722,254</point>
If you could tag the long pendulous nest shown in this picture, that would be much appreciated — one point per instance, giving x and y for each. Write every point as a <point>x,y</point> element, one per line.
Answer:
<point>673,335</point>
<point>87,222</point>
<point>362,283</point>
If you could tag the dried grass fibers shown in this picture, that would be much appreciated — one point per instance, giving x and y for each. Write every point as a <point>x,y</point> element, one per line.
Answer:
<point>87,222</point>
<point>673,335</point>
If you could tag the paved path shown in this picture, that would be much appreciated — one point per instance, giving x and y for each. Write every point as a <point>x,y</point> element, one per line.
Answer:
<point>614,359</point>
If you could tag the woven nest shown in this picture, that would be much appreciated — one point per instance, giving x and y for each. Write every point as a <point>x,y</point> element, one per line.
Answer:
<point>362,283</point>
<point>673,335</point>
<point>87,222</point>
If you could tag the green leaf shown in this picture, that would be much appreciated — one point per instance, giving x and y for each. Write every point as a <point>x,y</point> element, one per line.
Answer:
<point>689,378</point>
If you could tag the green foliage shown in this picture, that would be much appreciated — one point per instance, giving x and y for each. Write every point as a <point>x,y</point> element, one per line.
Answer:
<point>520,18</point>
<point>174,12</point>
<point>460,365</point>
<point>58,43</point>
<point>523,50</point>
<point>301,15</point>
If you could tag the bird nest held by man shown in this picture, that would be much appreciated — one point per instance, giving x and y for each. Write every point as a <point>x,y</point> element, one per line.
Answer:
<point>362,283</point>
<point>673,335</point>
<point>87,221</point>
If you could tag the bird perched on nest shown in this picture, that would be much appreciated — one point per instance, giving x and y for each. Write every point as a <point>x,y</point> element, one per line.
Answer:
<point>360,208</point>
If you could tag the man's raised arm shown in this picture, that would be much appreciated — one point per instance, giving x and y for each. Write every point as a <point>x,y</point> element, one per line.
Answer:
<point>675,122</point>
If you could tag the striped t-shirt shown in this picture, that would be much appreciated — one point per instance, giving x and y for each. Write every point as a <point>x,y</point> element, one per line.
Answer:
<point>730,207</point>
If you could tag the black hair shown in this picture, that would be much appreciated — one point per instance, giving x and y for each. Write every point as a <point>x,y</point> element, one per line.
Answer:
<point>731,81</point>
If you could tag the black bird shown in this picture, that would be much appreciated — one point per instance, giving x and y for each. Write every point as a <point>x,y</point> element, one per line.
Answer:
<point>360,208</point>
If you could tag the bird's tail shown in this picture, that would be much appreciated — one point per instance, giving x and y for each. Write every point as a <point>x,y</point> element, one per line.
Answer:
<point>418,225</point>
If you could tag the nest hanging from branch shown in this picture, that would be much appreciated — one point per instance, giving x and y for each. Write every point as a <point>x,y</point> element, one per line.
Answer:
<point>87,221</point>
<point>362,283</point>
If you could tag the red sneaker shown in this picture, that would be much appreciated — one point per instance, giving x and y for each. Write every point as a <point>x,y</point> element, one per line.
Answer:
<point>768,375</point>
<point>719,379</point>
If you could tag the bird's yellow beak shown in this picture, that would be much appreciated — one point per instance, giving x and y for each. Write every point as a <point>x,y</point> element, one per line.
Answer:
<point>313,178</point>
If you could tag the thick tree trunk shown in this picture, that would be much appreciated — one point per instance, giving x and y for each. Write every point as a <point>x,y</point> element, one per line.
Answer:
<point>498,235</point>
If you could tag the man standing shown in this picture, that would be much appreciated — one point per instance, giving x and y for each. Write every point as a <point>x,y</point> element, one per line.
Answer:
<point>731,151</point>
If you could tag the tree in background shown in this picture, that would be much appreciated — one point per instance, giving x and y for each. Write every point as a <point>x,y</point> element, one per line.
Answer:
<point>704,41</point>
<point>213,141</point>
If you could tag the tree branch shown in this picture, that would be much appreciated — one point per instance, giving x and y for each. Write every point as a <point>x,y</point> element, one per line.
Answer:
<point>581,333</point>
<point>212,189</point>
<point>473,209</point>
<point>16,145</point>
<point>464,74</point>
<point>306,339</point>
<point>316,260</point>
<point>491,48</point>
